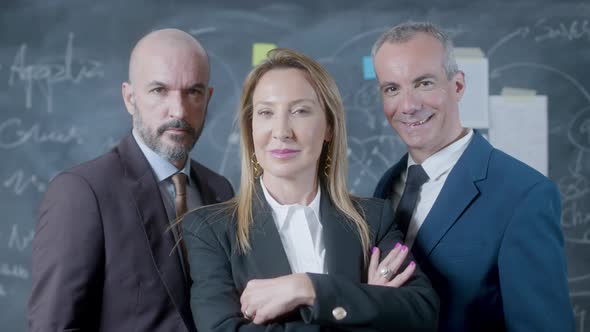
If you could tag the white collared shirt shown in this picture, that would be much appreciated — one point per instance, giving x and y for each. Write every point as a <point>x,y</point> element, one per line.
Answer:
<point>301,233</point>
<point>438,166</point>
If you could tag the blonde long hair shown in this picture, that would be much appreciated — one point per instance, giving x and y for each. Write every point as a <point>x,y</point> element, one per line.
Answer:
<point>337,172</point>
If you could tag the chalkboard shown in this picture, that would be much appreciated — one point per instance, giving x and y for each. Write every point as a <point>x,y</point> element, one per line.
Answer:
<point>62,63</point>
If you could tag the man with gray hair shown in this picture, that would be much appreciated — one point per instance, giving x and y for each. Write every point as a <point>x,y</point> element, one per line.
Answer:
<point>107,252</point>
<point>483,226</point>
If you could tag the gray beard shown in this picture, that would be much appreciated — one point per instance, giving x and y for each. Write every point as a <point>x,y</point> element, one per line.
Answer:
<point>172,153</point>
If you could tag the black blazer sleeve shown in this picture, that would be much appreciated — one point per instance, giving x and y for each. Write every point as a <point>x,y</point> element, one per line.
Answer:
<point>215,301</point>
<point>412,307</point>
<point>67,258</point>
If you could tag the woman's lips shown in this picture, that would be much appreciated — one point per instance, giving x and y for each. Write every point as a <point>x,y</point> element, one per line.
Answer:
<point>283,153</point>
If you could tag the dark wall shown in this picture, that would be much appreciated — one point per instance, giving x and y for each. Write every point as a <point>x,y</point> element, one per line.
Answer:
<point>62,64</point>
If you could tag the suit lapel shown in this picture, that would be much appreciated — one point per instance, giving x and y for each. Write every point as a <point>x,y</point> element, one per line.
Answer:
<point>207,195</point>
<point>458,192</point>
<point>153,220</point>
<point>344,255</point>
<point>384,189</point>
<point>267,254</point>
<point>340,238</point>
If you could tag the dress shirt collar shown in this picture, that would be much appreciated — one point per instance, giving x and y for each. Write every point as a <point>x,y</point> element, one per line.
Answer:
<point>162,167</point>
<point>443,160</point>
<point>282,211</point>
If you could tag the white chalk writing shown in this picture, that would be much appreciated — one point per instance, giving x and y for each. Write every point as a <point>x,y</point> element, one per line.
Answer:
<point>13,135</point>
<point>573,187</point>
<point>520,32</point>
<point>14,271</point>
<point>542,32</point>
<point>574,223</point>
<point>567,30</point>
<point>18,241</point>
<point>202,31</point>
<point>579,131</point>
<point>49,74</point>
<point>572,217</point>
<point>19,183</point>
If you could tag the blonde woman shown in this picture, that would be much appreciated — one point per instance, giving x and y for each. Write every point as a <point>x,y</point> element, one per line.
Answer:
<point>294,251</point>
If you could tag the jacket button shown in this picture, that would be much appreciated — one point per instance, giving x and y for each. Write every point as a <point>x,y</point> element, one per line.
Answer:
<point>339,313</point>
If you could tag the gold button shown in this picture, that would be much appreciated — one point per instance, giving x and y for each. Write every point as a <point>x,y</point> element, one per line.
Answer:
<point>339,313</point>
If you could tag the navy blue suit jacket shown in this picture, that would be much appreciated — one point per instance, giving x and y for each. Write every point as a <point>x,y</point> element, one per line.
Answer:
<point>492,245</point>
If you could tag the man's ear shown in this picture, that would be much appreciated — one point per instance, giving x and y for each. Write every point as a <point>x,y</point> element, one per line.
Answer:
<point>128,97</point>
<point>459,85</point>
<point>210,95</point>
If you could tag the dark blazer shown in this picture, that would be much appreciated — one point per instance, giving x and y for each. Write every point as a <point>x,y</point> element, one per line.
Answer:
<point>103,259</point>
<point>492,245</point>
<point>220,273</point>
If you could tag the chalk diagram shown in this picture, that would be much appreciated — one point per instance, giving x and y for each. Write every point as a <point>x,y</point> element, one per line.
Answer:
<point>373,146</point>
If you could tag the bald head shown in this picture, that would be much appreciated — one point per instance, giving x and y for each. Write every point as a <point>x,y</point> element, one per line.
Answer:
<point>167,42</point>
<point>168,92</point>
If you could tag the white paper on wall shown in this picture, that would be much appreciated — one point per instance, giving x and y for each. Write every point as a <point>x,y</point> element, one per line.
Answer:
<point>519,127</point>
<point>473,107</point>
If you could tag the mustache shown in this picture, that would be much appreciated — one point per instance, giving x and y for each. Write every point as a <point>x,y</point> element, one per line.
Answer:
<point>176,124</point>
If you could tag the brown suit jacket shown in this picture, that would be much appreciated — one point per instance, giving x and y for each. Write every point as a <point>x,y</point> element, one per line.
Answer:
<point>103,259</point>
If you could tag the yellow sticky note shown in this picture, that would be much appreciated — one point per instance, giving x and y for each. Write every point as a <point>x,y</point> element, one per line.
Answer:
<point>259,51</point>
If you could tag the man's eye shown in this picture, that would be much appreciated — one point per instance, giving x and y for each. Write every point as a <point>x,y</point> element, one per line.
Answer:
<point>426,84</point>
<point>390,90</point>
<point>195,92</point>
<point>158,90</point>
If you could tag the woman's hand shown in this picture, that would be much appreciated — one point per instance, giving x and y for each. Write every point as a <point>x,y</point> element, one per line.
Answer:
<point>266,299</point>
<point>381,273</point>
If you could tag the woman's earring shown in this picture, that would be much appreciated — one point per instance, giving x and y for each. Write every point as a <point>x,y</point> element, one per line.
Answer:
<point>255,165</point>
<point>328,162</point>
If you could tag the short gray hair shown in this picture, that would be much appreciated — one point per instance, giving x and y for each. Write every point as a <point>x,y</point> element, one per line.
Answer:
<point>404,32</point>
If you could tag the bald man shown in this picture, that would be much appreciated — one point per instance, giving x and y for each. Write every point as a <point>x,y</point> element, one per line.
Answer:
<point>107,255</point>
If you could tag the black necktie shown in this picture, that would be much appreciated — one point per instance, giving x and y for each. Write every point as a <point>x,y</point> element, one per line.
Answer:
<point>416,178</point>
